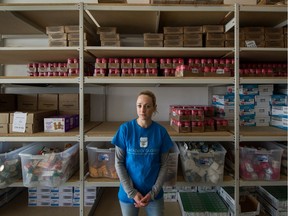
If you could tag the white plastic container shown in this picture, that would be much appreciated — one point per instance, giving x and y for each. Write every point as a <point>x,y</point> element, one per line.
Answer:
<point>50,169</point>
<point>101,158</point>
<point>10,162</point>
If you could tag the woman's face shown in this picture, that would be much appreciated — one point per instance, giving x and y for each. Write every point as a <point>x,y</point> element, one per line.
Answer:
<point>145,108</point>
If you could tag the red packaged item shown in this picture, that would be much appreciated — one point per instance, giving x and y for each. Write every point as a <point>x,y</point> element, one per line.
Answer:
<point>99,72</point>
<point>166,63</point>
<point>139,72</point>
<point>209,125</point>
<point>114,72</point>
<point>197,126</point>
<point>127,72</point>
<point>126,63</point>
<point>151,72</point>
<point>151,63</point>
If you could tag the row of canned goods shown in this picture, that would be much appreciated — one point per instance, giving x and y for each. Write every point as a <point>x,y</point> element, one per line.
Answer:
<point>68,72</point>
<point>126,72</point>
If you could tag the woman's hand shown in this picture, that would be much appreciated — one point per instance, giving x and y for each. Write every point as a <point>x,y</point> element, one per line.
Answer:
<point>141,201</point>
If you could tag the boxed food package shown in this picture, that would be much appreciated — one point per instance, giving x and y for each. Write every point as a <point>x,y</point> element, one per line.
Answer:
<point>101,157</point>
<point>10,162</point>
<point>260,161</point>
<point>49,164</point>
<point>201,165</point>
<point>61,123</point>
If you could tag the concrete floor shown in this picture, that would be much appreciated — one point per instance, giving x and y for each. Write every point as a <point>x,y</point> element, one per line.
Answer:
<point>108,206</point>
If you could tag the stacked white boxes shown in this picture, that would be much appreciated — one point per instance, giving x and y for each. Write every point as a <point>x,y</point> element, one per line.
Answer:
<point>67,196</point>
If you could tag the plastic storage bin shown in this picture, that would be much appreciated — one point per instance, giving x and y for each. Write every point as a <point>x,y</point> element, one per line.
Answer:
<point>202,162</point>
<point>172,166</point>
<point>10,162</point>
<point>101,157</point>
<point>50,169</point>
<point>260,161</point>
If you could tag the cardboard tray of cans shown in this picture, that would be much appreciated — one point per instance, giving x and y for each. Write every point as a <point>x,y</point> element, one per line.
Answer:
<point>202,162</point>
<point>248,204</point>
<point>10,162</point>
<point>49,164</point>
<point>260,161</point>
<point>274,199</point>
<point>101,157</point>
<point>201,204</point>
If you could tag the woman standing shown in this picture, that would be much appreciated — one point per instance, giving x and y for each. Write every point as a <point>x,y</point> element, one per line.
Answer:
<point>141,153</point>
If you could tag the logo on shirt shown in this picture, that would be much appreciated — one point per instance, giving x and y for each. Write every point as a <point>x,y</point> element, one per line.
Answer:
<point>143,142</point>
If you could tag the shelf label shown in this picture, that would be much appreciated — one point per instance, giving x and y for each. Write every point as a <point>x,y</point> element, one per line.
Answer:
<point>251,44</point>
<point>19,122</point>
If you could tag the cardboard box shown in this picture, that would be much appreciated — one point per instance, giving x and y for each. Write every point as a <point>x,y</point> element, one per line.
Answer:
<point>153,43</point>
<point>55,29</point>
<point>4,128</point>
<point>27,102</point>
<point>57,43</point>
<point>173,43</point>
<point>215,36</point>
<point>8,102</point>
<point>33,117</point>
<point>48,102</point>
<point>71,101</point>
<point>153,36</point>
<point>4,118</point>
<point>213,28</point>
<point>192,29</point>
<point>111,43</point>
<point>173,30</point>
<point>242,2</point>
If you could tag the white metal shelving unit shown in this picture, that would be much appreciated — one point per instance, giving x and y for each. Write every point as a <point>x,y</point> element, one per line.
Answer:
<point>33,18</point>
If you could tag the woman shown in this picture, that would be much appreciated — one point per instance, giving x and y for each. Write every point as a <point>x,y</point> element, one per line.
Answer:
<point>141,155</point>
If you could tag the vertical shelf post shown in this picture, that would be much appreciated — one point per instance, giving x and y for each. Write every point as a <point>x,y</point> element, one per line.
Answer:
<point>81,103</point>
<point>236,109</point>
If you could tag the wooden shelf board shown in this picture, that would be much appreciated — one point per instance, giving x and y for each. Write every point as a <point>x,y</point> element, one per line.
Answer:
<point>74,132</point>
<point>262,131</point>
<point>110,128</point>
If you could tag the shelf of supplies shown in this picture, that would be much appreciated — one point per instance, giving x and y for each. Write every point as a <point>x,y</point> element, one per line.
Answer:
<point>69,136</point>
<point>38,80</point>
<point>198,81</point>
<point>25,55</point>
<point>262,134</point>
<point>263,80</point>
<point>201,52</point>
<point>264,54</point>
<point>106,131</point>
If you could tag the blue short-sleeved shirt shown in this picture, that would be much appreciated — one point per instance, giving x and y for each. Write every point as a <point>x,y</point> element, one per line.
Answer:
<point>143,147</point>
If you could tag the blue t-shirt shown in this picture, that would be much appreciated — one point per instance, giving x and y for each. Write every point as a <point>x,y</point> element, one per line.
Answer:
<point>143,148</point>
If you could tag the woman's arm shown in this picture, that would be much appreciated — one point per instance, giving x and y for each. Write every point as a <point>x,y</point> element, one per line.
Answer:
<point>161,176</point>
<point>122,173</point>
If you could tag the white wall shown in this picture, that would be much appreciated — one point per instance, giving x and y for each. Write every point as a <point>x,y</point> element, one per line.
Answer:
<point>121,101</point>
